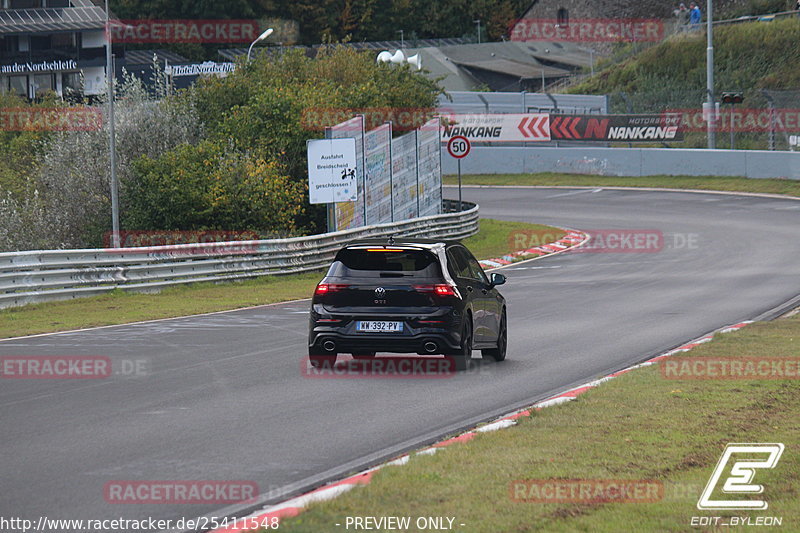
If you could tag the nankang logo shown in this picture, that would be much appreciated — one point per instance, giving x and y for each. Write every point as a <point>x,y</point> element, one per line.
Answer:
<point>642,133</point>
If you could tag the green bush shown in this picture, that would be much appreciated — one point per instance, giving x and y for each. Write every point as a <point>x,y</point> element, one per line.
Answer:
<point>209,186</point>
<point>260,109</point>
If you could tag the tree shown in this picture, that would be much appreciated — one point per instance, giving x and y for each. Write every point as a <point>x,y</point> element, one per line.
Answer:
<point>263,108</point>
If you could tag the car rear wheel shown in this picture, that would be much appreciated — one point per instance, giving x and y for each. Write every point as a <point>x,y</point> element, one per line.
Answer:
<point>364,355</point>
<point>462,358</point>
<point>499,353</point>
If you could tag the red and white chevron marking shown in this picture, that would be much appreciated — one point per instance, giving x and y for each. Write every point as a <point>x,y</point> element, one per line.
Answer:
<point>534,127</point>
<point>564,127</point>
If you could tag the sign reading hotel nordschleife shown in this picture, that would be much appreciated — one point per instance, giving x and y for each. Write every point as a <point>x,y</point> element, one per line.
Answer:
<point>332,171</point>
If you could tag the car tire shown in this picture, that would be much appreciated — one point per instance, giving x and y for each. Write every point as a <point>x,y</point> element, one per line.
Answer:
<point>363,355</point>
<point>464,355</point>
<point>499,353</point>
<point>321,360</point>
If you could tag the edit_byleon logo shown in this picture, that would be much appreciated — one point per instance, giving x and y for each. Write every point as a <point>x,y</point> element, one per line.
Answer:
<point>739,481</point>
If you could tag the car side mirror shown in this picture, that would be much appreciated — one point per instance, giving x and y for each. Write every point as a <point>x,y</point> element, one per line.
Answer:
<point>497,279</point>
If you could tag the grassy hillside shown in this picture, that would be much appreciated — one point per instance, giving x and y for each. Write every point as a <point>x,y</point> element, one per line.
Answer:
<point>748,56</point>
<point>757,58</point>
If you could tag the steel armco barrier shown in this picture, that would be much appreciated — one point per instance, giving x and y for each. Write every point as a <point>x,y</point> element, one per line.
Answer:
<point>47,275</point>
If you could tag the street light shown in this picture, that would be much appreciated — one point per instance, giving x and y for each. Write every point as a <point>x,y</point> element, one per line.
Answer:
<point>712,111</point>
<point>261,37</point>
<point>112,138</point>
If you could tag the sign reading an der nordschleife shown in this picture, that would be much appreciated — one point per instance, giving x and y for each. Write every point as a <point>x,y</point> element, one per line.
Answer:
<point>332,171</point>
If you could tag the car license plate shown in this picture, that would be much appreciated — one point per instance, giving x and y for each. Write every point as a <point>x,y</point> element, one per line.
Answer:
<point>379,326</point>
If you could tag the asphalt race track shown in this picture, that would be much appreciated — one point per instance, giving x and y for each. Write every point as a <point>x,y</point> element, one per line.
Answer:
<point>222,396</point>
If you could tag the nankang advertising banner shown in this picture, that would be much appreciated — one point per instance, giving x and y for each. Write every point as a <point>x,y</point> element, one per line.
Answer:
<point>611,128</point>
<point>498,127</point>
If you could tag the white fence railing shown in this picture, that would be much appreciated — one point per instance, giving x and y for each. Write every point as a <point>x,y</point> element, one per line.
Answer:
<point>46,275</point>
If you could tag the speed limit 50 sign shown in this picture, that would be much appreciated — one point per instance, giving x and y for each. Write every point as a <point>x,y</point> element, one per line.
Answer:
<point>458,146</point>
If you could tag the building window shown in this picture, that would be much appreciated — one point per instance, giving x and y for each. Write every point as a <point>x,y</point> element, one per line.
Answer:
<point>71,84</point>
<point>24,4</point>
<point>63,41</point>
<point>41,42</point>
<point>10,43</point>
<point>562,17</point>
<point>42,83</point>
<point>18,85</point>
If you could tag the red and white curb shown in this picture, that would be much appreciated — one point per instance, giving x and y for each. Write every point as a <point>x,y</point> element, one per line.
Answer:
<point>296,505</point>
<point>571,239</point>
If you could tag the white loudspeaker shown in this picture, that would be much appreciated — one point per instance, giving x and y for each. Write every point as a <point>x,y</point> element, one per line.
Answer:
<point>398,57</point>
<point>415,61</point>
<point>384,57</point>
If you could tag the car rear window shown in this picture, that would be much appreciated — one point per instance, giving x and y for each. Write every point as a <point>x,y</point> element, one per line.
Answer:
<point>374,262</point>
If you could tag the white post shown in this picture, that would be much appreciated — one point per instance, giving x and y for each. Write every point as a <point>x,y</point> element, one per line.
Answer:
<point>112,141</point>
<point>712,113</point>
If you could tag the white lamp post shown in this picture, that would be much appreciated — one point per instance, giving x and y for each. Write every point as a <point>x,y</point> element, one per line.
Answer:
<point>712,111</point>
<point>112,141</point>
<point>261,37</point>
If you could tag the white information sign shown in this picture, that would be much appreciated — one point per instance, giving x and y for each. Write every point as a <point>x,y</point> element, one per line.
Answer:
<point>332,171</point>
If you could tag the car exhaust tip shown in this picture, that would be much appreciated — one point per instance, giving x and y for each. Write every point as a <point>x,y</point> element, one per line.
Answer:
<point>430,347</point>
<point>329,346</point>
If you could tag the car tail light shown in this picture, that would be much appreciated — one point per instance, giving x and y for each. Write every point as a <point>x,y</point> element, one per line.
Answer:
<point>324,288</point>
<point>440,289</point>
<point>445,290</point>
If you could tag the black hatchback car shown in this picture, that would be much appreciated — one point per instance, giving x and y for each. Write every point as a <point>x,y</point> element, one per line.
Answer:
<point>410,296</point>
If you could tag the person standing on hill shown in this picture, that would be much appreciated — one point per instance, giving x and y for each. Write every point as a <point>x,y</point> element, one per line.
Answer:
<point>694,15</point>
<point>682,17</point>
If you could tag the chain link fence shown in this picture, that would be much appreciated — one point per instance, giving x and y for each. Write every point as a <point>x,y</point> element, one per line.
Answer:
<point>765,120</point>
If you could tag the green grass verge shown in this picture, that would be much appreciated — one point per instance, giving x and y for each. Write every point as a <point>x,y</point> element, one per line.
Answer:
<point>710,183</point>
<point>122,307</point>
<point>639,426</point>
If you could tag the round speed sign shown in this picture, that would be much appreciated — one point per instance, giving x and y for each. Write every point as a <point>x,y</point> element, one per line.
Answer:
<point>458,146</point>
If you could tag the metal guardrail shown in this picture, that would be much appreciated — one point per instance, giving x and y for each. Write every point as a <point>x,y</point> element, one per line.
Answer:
<point>47,275</point>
